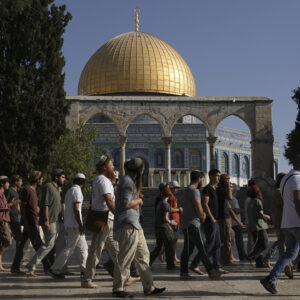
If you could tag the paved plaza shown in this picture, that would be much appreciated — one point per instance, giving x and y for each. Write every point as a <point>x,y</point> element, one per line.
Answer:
<point>241,283</point>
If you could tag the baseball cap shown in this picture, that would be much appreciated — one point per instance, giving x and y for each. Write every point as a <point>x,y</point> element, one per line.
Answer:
<point>79,175</point>
<point>174,184</point>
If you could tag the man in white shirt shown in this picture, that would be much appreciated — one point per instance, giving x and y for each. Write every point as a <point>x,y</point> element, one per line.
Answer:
<point>290,224</point>
<point>75,238</point>
<point>103,199</point>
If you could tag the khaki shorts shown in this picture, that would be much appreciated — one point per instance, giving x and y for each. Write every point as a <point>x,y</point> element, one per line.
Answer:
<point>5,236</point>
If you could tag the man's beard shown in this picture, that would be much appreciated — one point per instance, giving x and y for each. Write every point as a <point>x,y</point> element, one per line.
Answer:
<point>59,182</point>
<point>199,185</point>
<point>111,176</point>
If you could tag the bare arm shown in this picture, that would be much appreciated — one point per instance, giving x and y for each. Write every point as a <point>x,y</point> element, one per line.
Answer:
<point>179,210</point>
<point>235,217</point>
<point>76,210</point>
<point>135,203</point>
<point>110,202</point>
<point>207,210</point>
<point>199,210</point>
<point>46,214</point>
<point>297,202</point>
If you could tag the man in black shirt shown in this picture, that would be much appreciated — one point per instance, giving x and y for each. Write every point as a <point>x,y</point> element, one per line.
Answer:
<point>15,218</point>
<point>211,228</point>
<point>224,194</point>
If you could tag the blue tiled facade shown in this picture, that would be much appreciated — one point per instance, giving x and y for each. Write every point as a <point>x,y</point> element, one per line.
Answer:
<point>189,149</point>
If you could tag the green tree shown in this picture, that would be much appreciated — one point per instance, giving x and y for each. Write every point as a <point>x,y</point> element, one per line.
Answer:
<point>74,152</point>
<point>293,144</point>
<point>32,96</point>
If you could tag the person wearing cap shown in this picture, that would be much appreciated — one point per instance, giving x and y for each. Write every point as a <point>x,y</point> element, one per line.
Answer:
<point>75,238</point>
<point>29,219</point>
<point>175,215</point>
<point>129,232</point>
<point>50,209</point>
<point>103,199</point>
<point>5,236</point>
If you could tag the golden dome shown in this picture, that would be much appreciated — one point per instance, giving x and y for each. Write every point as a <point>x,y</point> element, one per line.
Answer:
<point>136,62</point>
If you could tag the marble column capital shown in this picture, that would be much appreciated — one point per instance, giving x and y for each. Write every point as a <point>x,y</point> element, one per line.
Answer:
<point>122,140</point>
<point>167,140</point>
<point>212,139</point>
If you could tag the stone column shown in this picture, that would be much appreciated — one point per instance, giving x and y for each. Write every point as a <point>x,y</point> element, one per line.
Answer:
<point>262,157</point>
<point>187,178</point>
<point>150,178</point>
<point>122,141</point>
<point>167,141</point>
<point>212,151</point>
<point>178,177</point>
<point>161,174</point>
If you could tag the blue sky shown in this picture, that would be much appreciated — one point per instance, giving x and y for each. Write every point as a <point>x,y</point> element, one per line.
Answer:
<point>233,47</point>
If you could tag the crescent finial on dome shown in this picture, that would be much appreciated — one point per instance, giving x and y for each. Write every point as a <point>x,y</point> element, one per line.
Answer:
<point>137,21</point>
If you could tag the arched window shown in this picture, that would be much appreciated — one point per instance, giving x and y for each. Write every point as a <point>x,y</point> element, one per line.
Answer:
<point>235,166</point>
<point>178,159</point>
<point>160,158</point>
<point>246,167</point>
<point>224,163</point>
<point>196,158</point>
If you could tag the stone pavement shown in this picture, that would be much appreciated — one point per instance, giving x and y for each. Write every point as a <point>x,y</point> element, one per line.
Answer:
<point>241,283</point>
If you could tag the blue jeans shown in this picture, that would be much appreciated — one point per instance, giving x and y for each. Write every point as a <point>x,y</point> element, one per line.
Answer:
<point>192,238</point>
<point>292,241</point>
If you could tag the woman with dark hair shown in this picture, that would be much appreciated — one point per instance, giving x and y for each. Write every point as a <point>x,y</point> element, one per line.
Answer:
<point>257,225</point>
<point>129,233</point>
<point>163,229</point>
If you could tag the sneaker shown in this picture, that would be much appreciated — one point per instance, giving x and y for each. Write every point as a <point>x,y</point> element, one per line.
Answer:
<point>268,285</point>
<point>288,271</point>
<point>156,291</point>
<point>56,275</point>
<point>122,294</point>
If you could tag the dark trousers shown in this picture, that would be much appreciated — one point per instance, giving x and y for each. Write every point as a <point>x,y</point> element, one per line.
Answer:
<point>164,237</point>
<point>17,234</point>
<point>192,238</point>
<point>239,241</point>
<point>260,239</point>
<point>33,234</point>
<point>213,243</point>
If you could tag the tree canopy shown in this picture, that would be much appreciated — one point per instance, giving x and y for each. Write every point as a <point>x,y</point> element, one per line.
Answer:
<point>293,138</point>
<point>74,152</point>
<point>32,96</point>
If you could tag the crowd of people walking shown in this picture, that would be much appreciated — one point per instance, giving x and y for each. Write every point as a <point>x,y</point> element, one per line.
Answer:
<point>210,219</point>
